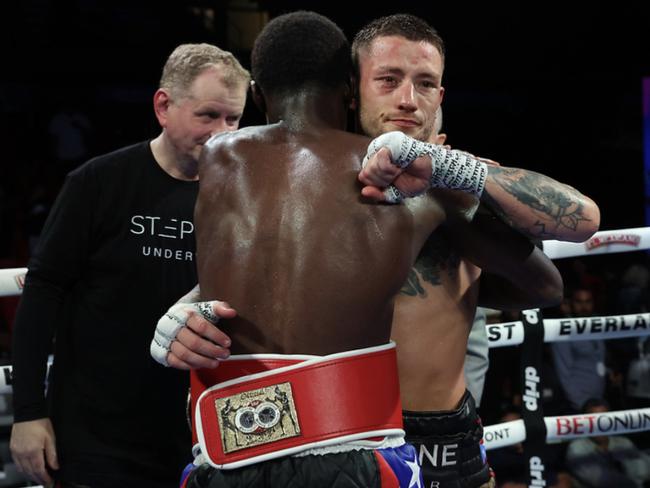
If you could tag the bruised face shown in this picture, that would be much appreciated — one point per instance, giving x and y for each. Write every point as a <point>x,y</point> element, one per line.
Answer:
<point>399,87</point>
<point>208,107</point>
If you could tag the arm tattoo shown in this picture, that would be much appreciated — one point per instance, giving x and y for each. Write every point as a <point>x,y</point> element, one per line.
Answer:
<point>560,204</point>
<point>435,258</point>
<point>413,287</point>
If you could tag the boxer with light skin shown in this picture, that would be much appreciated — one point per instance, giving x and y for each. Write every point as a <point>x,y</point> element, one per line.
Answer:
<point>400,61</point>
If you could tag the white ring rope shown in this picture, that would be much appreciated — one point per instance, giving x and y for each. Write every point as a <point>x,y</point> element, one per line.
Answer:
<point>573,329</point>
<point>6,379</point>
<point>604,242</point>
<point>558,428</point>
<point>12,281</point>
<point>567,427</point>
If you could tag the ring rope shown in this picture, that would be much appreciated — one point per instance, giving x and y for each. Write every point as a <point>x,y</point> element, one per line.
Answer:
<point>603,242</point>
<point>6,376</point>
<point>12,280</point>
<point>553,429</point>
<point>573,329</point>
<point>567,427</point>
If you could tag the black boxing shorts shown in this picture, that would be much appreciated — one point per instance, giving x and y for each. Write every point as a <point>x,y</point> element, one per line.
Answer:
<point>450,446</point>
<point>394,467</point>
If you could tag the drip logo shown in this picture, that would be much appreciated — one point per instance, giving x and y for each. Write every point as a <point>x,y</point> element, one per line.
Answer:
<point>536,472</point>
<point>531,392</point>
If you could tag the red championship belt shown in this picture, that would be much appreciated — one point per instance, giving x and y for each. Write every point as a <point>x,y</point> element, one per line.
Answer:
<point>317,402</point>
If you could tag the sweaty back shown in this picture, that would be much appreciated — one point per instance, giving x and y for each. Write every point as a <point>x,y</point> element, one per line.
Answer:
<point>285,237</point>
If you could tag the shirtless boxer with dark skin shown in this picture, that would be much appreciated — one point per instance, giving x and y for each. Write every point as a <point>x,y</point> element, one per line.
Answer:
<point>310,266</point>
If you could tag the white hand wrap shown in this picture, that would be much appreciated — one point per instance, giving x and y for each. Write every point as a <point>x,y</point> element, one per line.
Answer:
<point>451,169</point>
<point>403,149</point>
<point>457,170</point>
<point>170,324</point>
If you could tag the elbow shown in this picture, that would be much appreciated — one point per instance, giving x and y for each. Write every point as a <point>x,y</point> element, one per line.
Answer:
<point>592,213</point>
<point>590,221</point>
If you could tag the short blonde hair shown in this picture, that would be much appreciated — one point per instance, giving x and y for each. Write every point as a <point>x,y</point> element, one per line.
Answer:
<point>188,61</point>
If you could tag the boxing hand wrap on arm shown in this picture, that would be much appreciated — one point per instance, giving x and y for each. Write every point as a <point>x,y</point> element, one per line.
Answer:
<point>403,149</point>
<point>457,170</point>
<point>451,169</point>
<point>170,324</point>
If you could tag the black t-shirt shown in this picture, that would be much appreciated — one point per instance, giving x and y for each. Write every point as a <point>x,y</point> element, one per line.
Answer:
<point>116,251</point>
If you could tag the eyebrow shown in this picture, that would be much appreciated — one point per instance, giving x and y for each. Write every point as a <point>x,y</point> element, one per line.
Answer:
<point>394,70</point>
<point>389,69</point>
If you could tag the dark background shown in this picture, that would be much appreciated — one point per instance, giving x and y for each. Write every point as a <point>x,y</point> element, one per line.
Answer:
<point>552,87</point>
<point>532,85</point>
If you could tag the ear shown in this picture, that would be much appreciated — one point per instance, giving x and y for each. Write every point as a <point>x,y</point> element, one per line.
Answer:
<point>440,139</point>
<point>258,97</point>
<point>161,102</point>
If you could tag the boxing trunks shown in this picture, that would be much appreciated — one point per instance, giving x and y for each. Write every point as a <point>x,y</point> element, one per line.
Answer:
<point>449,445</point>
<point>276,420</point>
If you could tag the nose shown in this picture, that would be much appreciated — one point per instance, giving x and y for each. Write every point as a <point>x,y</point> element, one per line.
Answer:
<point>406,94</point>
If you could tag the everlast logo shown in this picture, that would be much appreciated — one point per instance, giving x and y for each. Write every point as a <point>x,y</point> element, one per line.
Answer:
<point>495,331</point>
<point>536,472</point>
<point>596,325</point>
<point>531,393</point>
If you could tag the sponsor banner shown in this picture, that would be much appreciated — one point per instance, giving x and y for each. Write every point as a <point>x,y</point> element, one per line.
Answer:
<point>566,427</point>
<point>12,281</point>
<point>573,329</point>
<point>591,328</point>
<point>604,242</point>
<point>506,334</point>
<point>504,434</point>
<point>532,412</point>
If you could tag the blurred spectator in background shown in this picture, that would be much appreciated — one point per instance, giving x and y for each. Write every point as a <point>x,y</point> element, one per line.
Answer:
<point>607,461</point>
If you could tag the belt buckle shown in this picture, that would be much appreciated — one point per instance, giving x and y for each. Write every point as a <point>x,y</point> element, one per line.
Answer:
<point>256,417</point>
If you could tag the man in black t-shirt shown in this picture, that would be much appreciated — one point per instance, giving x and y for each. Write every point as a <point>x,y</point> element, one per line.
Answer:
<point>117,248</point>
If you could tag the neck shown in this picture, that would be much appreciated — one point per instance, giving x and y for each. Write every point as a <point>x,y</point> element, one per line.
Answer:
<point>174,164</point>
<point>318,107</point>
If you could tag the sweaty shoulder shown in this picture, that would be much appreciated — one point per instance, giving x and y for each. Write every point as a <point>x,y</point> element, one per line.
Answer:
<point>224,143</point>
<point>249,143</point>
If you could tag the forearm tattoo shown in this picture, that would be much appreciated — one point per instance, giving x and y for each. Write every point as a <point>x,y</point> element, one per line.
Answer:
<point>436,258</point>
<point>558,205</point>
